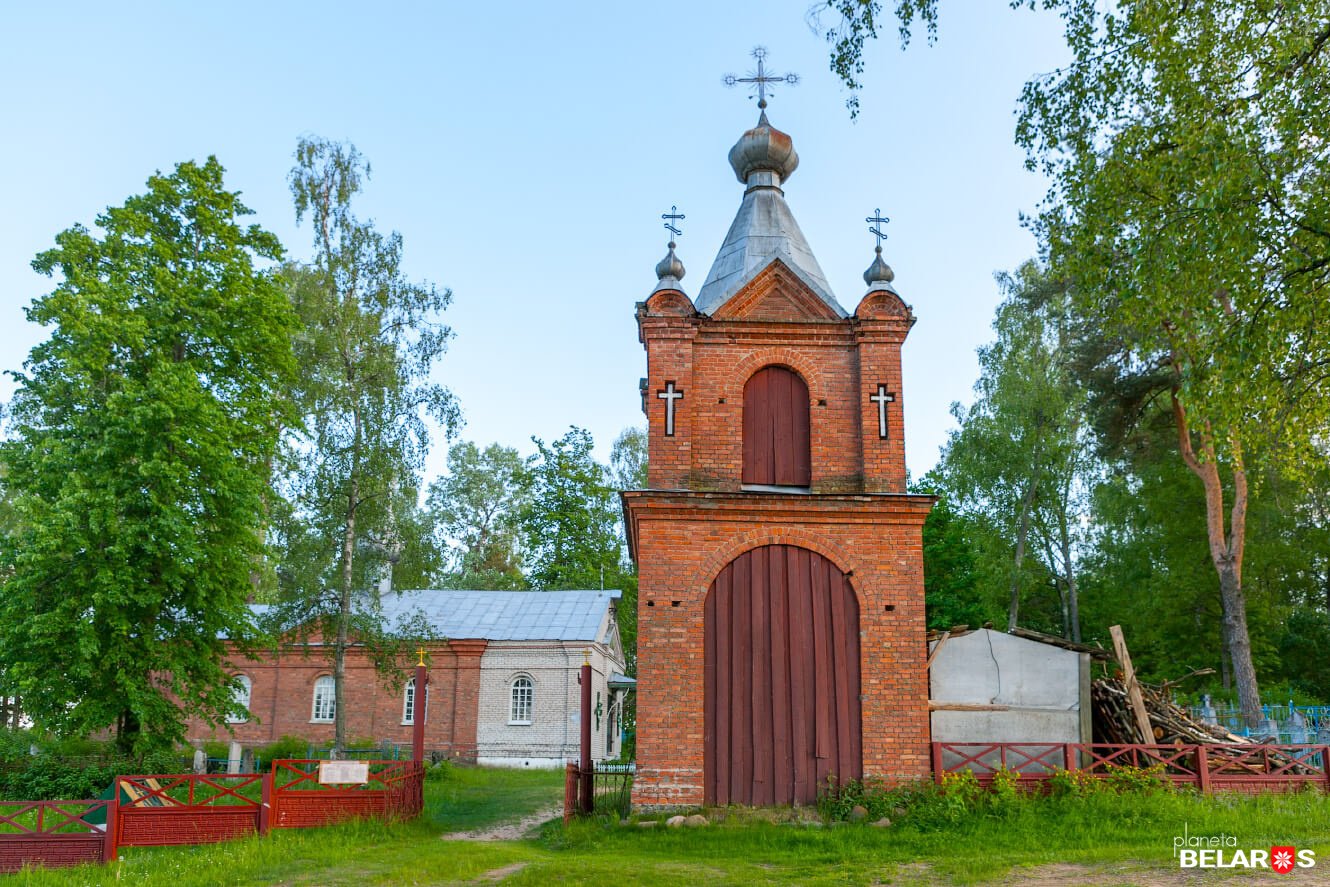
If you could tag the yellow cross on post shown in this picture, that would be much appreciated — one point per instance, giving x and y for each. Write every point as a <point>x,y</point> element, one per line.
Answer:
<point>421,654</point>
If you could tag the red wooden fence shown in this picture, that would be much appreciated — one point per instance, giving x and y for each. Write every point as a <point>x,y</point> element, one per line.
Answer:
<point>54,833</point>
<point>299,800</point>
<point>192,809</point>
<point>158,811</point>
<point>1241,767</point>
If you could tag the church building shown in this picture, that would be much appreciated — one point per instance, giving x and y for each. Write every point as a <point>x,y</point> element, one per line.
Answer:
<point>503,680</point>
<point>781,599</point>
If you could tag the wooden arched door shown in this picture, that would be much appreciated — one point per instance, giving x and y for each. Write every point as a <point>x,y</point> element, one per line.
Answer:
<point>782,678</point>
<point>776,431</point>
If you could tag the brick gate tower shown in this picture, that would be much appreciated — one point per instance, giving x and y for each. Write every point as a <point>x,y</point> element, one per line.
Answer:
<point>781,597</point>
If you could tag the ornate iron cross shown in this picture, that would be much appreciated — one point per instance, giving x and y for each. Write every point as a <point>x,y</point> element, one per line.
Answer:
<point>875,223</point>
<point>761,78</point>
<point>671,218</point>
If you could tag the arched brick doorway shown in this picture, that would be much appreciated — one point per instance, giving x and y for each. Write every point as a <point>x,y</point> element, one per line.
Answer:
<point>782,678</point>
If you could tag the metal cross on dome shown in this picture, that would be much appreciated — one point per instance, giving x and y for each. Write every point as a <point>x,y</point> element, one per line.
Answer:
<point>671,218</point>
<point>875,222</point>
<point>761,78</point>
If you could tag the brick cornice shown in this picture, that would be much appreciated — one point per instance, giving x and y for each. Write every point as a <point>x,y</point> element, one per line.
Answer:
<point>773,509</point>
<point>468,648</point>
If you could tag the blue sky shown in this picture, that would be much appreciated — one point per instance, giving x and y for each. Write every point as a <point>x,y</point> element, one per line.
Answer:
<point>526,152</point>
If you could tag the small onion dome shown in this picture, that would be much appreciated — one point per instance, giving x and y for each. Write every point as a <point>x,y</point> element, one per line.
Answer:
<point>670,266</point>
<point>764,148</point>
<point>879,271</point>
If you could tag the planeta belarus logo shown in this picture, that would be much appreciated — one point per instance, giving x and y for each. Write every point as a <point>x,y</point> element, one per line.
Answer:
<point>1282,859</point>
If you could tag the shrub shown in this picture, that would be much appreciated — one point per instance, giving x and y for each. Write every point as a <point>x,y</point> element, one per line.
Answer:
<point>48,778</point>
<point>217,750</point>
<point>439,771</point>
<point>286,747</point>
<point>1137,780</point>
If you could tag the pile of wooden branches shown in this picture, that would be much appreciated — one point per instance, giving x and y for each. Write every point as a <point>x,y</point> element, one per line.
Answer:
<point>1170,724</point>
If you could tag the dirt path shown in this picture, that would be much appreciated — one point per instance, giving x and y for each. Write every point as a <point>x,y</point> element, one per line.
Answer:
<point>512,830</point>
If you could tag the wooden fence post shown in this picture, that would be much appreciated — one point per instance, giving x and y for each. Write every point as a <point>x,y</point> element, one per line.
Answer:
<point>1202,769</point>
<point>570,781</point>
<point>1325,763</point>
<point>937,763</point>
<point>110,848</point>
<point>1069,761</point>
<point>265,804</point>
<point>587,791</point>
<point>419,709</point>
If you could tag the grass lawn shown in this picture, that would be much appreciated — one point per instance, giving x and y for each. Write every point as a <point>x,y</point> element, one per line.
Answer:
<point>1101,839</point>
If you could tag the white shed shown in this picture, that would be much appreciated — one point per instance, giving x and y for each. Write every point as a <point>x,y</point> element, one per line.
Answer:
<point>988,686</point>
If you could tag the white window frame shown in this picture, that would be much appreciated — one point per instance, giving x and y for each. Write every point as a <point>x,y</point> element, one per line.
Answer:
<point>409,702</point>
<point>324,710</point>
<point>242,697</point>
<point>521,700</point>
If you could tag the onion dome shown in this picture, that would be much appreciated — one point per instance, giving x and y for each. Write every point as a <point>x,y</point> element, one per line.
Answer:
<point>879,272</point>
<point>670,268</point>
<point>764,148</point>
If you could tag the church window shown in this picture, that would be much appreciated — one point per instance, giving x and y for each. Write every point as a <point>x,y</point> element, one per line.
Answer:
<point>523,694</point>
<point>241,696</point>
<point>409,702</point>
<point>325,700</point>
<point>776,430</point>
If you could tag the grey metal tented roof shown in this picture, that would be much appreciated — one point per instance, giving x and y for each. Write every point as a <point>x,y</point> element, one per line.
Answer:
<point>764,230</point>
<point>504,615</point>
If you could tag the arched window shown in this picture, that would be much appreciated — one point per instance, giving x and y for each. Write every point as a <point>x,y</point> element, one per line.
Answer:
<point>776,432</point>
<point>241,697</point>
<point>523,694</point>
<point>325,700</point>
<point>409,702</point>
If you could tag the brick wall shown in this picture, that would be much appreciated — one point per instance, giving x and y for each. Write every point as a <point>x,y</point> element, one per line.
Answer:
<point>554,732</point>
<point>468,714</point>
<point>695,518</point>
<point>282,699</point>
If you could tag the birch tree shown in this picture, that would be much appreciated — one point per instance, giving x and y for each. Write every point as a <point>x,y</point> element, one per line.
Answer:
<point>368,341</point>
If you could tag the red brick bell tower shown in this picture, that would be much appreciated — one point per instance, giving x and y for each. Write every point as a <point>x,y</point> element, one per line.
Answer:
<point>781,596</point>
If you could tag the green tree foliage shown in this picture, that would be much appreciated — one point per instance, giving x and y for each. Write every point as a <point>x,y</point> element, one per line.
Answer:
<point>951,583</point>
<point>1017,463</point>
<point>143,433</point>
<point>848,25</point>
<point>1190,205</point>
<point>570,520</point>
<point>368,340</point>
<point>628,460</point>
<point>476,509</point>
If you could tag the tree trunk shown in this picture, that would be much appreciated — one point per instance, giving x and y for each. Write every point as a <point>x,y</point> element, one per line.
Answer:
<point>127,731</point>
<point>1069,569</point>
<point>1239,645</point>
<point>1027,506</point>
<point>1226,550</point>
<point>344,598</point>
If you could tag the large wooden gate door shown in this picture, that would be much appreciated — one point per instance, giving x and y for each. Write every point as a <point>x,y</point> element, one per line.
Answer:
<point>782,678</point>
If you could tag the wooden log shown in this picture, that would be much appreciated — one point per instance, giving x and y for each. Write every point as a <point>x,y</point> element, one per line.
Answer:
<point>937,648</point>
<point>1133,688</point>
